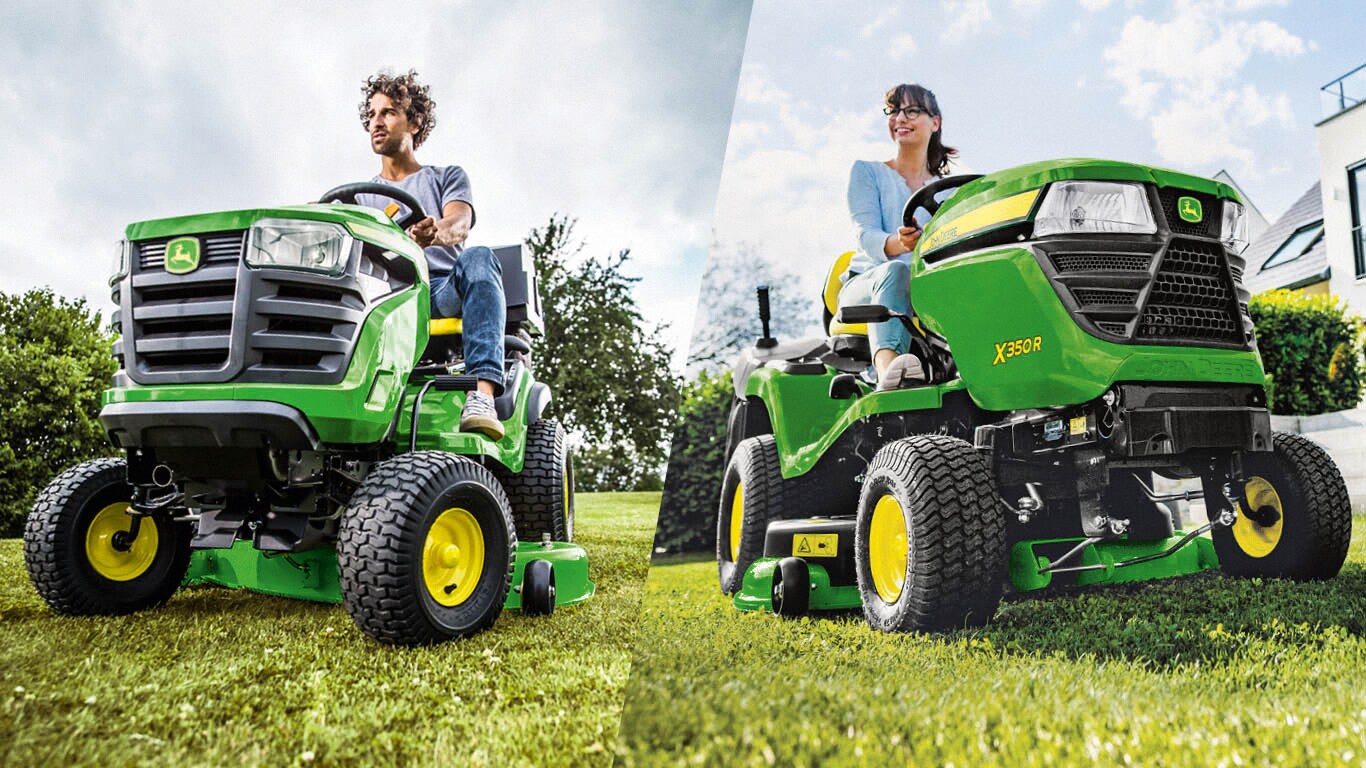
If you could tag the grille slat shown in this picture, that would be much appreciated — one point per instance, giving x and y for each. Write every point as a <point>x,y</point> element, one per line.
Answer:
<point>215,248</point>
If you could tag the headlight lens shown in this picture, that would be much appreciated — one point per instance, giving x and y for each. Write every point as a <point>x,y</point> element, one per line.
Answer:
<point>1074,207</point>
<point>316,246</point>
<point>120,262</point>
<point>1234,229</point>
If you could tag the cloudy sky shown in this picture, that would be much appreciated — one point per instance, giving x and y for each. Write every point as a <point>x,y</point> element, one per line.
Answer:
<point>1199,86</point>
<point>615,112</point>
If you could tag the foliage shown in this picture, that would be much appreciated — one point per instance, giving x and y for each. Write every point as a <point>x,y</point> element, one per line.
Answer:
<point>54,362</point>
<point>1312,348</point>
<point>271,681</point>
<point>1205,670</point>
<point>697,462</point>
<point>727,318</point>
<point>609,371</point>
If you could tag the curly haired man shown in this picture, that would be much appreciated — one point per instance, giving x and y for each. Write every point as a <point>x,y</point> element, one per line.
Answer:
<point>399,114</point>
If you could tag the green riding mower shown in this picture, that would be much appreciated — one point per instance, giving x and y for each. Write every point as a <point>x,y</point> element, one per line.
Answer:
<point>288,414</point>
<point>1084,331</point>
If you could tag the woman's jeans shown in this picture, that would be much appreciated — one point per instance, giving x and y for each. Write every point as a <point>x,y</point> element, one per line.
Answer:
<point>474,291</point>
<point>888,284</point>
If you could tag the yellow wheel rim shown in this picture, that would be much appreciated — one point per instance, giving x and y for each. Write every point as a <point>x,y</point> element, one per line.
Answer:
<point>108,561</point>
<point>737,520</point>
<point>1254,539</point>
<point>887,549</point>
<point>453,557</point>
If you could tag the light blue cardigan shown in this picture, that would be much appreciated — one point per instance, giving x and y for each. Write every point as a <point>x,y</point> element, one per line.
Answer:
<point>877,196</point>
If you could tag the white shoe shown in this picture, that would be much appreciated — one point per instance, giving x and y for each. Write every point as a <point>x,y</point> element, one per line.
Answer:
<point>905,371</point>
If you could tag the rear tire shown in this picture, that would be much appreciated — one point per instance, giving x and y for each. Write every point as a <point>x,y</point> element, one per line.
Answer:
<point>929,539</point>
<point>426,549</point>
<point>751,496</point>
<point>1298,480</point>
<point>542,494</point>
<point>70,556</point>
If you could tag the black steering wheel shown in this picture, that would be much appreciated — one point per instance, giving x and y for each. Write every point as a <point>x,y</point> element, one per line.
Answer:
<point>346,193</point>
<point>924,197</point>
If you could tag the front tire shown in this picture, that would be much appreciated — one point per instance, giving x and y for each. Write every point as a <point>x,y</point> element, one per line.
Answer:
<point>929,539</point>
<point>426,549</point>
<point>1296,522</point>
<point>70,549</point>
<point>751,496</point>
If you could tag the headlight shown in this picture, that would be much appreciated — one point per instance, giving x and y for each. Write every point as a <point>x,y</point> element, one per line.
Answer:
<point>1074,207</point>
<point>1234,229</point>
<point>120,262</point>
<point>317,246</point>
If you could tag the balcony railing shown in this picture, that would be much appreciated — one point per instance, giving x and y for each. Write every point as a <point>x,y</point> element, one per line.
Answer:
<point>1344,93</point>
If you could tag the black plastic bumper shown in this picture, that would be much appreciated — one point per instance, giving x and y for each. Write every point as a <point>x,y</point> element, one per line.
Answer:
<point>208,424</point>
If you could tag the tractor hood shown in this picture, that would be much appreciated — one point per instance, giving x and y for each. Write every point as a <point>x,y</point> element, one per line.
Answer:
<point>365,223</point>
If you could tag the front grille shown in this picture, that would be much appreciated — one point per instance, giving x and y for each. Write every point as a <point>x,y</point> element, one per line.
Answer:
<point>224,322</point>
<point>1102,262</point>
<point>1192,296</point>
<point>1211,207</point>
<point>215,248</point>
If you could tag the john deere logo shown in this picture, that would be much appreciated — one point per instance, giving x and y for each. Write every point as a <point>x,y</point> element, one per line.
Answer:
<point>1189,209</point>
<point>182,255</point>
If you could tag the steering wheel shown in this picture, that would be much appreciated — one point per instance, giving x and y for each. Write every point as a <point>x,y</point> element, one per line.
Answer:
<point>924,197</point>
<point>346,193</point>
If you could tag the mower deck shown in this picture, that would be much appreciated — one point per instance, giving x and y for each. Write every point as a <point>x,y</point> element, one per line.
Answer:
<point>312,574</point>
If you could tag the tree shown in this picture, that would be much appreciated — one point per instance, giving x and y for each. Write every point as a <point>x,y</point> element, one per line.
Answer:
<point>697,461</point>
<point>727,318</point>
<point>609,370</point>
<point>54,362</point>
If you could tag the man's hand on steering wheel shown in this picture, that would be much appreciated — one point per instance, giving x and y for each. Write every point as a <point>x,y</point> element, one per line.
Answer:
<point>423,232</point>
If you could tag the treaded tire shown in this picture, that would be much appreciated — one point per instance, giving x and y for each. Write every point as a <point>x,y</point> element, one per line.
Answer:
<point>55,547</point>
<point>1316,525</point>
<point>380,548</point>
<point>754,469</point>
<point>538,492</point>
<point>955,535</point>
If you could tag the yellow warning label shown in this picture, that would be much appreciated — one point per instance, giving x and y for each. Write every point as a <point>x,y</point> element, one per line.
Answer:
<point>1077,425</point>
<point>815,544</point>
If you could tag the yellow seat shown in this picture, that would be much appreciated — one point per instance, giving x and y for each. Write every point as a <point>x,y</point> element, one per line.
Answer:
<point>834,281</point>
<point>446,326</point>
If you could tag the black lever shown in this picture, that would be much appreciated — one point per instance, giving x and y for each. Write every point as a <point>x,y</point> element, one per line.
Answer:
<point>766,341</point>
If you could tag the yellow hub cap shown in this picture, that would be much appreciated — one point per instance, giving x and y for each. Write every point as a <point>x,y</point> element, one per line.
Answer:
<point>737,520</point>
<point>107,560</point>
<point>1254,539</point>
<point>887,549</point>
<point>453,557</point>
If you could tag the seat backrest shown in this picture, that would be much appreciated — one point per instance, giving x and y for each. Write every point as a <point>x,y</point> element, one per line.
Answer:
<point>830,297</point>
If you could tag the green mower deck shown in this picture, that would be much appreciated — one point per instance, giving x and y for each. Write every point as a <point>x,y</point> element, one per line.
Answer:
<point>312,575</point>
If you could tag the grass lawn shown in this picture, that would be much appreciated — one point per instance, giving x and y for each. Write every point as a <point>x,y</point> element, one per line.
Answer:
<point>1202,670</point>
<point>219,677</point>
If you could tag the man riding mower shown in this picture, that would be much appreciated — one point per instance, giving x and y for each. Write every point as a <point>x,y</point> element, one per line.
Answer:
<point>1083,327</point>
<point>289,416</point>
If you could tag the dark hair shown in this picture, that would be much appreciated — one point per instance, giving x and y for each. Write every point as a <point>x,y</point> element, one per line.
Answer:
<point>408,94</point>
<point>911,94</point>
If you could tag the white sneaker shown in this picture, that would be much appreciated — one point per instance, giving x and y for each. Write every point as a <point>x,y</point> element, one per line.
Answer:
<point>905,371</point>
<point>479,415</point>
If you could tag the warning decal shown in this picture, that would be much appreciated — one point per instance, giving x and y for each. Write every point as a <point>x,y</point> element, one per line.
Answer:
<point>815,544</point>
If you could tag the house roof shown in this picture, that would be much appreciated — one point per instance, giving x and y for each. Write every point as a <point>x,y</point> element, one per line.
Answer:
<point>1309,268</point>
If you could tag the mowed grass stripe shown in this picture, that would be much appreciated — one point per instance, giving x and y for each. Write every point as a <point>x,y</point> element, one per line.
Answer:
<point>1203,670</point>
<point>223,678</point>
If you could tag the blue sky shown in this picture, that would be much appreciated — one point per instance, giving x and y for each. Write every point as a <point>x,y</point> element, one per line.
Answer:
<point>1199,86</point>
<point>615,112</point>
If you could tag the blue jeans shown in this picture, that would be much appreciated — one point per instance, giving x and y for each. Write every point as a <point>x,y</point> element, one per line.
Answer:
<point>474,291</point>
<point>888,284</point>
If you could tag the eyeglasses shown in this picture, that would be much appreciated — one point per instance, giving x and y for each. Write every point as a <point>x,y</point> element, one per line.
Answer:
<point>911,113</point>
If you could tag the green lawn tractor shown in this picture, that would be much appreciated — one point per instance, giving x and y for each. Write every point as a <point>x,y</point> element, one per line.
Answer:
<point>1084,330</point>
<point>288,413</point>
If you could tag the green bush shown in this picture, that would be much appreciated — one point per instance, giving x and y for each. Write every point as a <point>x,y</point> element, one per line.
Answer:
<point>1312,348</point>
<point>687,515</point>
<point>54,362</point>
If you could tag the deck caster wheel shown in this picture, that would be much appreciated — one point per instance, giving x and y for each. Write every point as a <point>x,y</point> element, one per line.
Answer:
<point>538,588</point>
<point>791,596</point>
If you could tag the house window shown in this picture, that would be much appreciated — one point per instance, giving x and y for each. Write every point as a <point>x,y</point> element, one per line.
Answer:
<point>1356,188</point>
<point>1296,245</point>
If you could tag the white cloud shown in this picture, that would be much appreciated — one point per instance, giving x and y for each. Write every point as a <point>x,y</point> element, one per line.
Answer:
<point>884,18</point>
<point>966,18</point>
<point>903,45</point>
<point>1182,74</point>
<point>145,110</point>
<point>1095,5</point>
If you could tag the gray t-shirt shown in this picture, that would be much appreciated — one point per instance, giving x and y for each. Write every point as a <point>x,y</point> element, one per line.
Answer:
<point>433,186</point>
